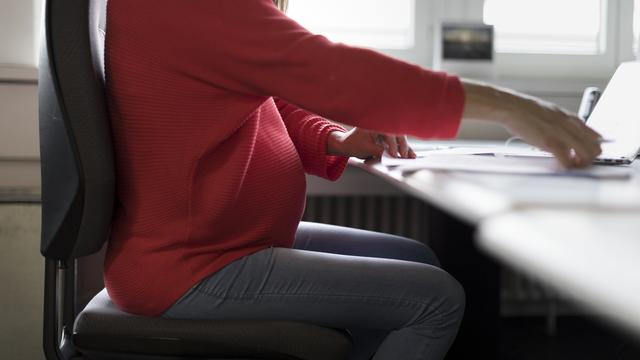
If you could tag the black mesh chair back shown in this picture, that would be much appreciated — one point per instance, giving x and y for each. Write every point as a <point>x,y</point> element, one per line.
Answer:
<point>78,196</point>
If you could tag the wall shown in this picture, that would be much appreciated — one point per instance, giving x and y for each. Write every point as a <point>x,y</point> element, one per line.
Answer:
<point>19,30</point>
<point>18,120</point>
<point>21,276</point>
<point>17,17</point>
<point>21,266</point>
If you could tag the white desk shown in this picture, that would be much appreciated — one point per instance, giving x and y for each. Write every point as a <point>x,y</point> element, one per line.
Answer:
<point>449,191</point>
<point>590,256</point>
<point>474,197</point>
<point>545,226</point>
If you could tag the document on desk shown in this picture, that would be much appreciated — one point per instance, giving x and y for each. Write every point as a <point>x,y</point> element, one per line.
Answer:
<point>478,159</point>
<point>388,160</point>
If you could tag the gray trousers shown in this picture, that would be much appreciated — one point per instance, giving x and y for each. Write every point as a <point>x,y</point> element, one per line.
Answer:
<point>388,291</point>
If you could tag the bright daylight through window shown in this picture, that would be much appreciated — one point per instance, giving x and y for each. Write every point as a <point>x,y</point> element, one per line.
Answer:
<point>636,28</point>
<point>380,24</point>
<point>574,27</point>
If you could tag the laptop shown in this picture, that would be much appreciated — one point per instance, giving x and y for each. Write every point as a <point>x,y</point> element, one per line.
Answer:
<point>616,117</point>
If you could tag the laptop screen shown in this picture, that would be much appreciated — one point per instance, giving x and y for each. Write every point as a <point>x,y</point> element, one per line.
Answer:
<point>617,115</point>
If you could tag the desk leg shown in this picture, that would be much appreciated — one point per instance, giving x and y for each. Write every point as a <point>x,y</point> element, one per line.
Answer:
<point>453,241</point>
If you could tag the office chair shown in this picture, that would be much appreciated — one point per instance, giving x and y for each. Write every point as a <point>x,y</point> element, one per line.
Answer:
<point>78,183</point>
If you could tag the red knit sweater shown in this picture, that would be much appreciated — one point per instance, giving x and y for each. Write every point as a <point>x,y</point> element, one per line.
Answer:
<point>211,167</point>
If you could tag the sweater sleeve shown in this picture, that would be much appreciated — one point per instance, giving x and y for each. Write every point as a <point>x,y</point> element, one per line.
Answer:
<point>251,47</point>
<point>309,134</point>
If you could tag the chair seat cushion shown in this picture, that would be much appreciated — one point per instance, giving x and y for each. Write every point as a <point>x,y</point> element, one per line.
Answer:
<point>101,327</point>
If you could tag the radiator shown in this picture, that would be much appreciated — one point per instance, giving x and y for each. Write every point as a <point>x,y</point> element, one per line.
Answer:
<point>399,215</point>
<point>404,216</point>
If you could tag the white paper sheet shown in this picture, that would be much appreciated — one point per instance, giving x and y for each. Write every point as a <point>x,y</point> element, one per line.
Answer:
<point>388,160</point>
<point>462,159</point>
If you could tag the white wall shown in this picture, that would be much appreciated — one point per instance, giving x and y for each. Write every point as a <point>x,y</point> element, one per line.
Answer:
<point>19,29</point>
<point>17,18</point>
<point>18,120</point>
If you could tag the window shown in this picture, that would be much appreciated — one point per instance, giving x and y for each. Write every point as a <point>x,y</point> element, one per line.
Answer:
<point>38,14</point>
<point>548,26</point>
<point>636,28</point>
<point>19,34</point>
<point>380,24</point>
<point>559,38</point>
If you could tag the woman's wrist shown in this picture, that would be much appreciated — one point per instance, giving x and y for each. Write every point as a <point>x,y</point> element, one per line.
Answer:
<point>335,141</point>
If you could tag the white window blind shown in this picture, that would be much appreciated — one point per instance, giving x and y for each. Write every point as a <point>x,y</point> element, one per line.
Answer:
<point>572,27</point>
<point>380,24</point>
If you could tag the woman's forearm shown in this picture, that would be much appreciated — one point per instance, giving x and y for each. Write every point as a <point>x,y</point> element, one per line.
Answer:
<point>536,121</point>
<point>482,101</point>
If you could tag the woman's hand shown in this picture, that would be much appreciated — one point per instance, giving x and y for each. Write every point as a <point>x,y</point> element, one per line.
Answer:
<point>365,144</point>
<point>535,121</point>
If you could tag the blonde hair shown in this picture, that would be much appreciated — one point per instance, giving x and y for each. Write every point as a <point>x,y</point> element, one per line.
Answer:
<point>282,4</point>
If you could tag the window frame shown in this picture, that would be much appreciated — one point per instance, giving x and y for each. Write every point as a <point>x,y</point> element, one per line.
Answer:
<point>509,67</point>
<point>349,12</point>
<point>569,66</point>
<point>421,51</point>
<point>602,42</point>
<point>429,13</point>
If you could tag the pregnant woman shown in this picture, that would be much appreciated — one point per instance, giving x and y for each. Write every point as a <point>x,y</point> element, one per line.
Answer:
<point>218,109</point>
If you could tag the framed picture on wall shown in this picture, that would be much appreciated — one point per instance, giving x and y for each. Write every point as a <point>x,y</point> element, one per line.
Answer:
<point>467,42</point>
<point>466,48</point>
